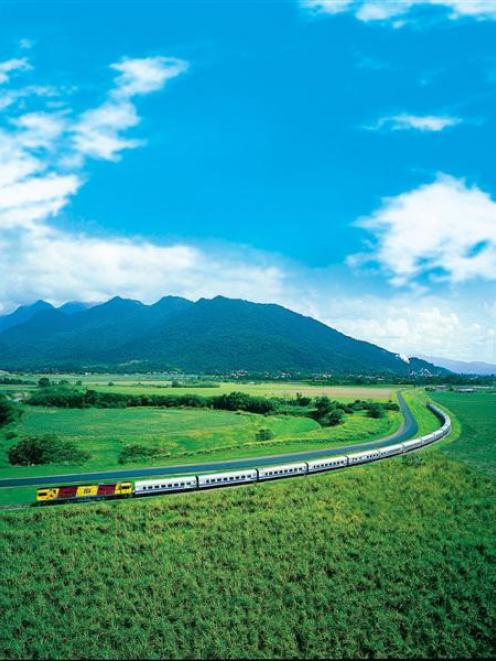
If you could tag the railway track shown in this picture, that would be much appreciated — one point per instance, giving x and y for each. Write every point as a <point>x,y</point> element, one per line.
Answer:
<point>407,430</point>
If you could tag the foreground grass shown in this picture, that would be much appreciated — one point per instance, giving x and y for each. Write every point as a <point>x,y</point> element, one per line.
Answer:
<point>181,435</point>
<point>386,560</point>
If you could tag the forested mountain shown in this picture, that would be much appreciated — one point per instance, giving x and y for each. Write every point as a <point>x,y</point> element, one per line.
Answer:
<point>211,335</point>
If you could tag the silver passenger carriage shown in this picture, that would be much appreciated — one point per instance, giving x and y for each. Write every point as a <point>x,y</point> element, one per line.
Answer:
<point>390,450</point>
<point>149,487</point>
<point>285,470</point>
<point>363,457</point>
<point>412,445</point>
<point>226,479</point>
<point>327,463</point>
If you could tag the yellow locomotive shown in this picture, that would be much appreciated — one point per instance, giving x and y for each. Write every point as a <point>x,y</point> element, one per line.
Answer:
<point>82,492</point>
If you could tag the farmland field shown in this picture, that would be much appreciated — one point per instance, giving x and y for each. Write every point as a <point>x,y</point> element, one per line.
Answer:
<point>395,559</point>
<point>476,413</point>
<point>152,384</point>
<point>183,435</point>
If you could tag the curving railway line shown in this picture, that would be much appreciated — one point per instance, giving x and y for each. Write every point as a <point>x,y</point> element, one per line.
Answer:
<point>407,430</point>
<point>268,469</point>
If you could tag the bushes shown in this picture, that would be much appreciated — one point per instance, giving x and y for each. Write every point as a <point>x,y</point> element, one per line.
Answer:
<point>264,435</point>
<point>48,449</point>
<point>240,401</point>
<point>333,418</point>
<point>67,397</point>
<point>7,411</point>
<point>376,411</point>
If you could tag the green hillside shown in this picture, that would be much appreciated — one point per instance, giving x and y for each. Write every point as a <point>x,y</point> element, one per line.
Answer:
<point>217,336</point>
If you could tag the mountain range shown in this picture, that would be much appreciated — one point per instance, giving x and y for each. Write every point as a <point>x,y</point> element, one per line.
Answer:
<point>462,367</point>
<point>216,335</point>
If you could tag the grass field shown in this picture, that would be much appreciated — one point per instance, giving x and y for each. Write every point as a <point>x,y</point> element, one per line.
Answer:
<point>476,413</point>
<point>387,560</point>
<point>152,384</point>
<point>343,393</point>
<point>182,435</point>
<point>381,561</point>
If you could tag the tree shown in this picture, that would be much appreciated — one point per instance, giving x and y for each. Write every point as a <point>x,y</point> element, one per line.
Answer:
<point>48,449</point>
<point>44,382</point>
<point>264,434</point>
<point>324,406</point>
<point>375,411</point>
<point>7,411</point>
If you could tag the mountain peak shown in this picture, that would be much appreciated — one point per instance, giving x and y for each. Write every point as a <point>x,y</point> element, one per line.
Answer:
<point>24,313</point>
<point>118,301</point>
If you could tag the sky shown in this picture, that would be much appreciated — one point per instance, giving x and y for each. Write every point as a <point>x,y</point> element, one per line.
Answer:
<point>333,156</point>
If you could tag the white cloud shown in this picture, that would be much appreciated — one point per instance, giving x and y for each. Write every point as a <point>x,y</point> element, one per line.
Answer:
<point>12,97</point>
<point>445,230</point>
<point>62,266</point>
<point>26,44</point>
<point>39,129</point>
<point>412,325</point>
<point>42,155</point>
<point>424,123</point>
<point>9,66</point>
<point>142,76</point>
<point>396,10</point>
<point>97,134</point>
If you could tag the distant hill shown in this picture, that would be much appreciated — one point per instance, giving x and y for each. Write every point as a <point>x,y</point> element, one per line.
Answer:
<point>461,367</point>
<point>216,335</point>
<point>23,314</point>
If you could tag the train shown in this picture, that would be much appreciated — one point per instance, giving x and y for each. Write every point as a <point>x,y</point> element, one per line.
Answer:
<point>143,488</point>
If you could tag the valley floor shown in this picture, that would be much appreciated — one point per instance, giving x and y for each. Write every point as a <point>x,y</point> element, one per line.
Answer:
<point>391,559</point>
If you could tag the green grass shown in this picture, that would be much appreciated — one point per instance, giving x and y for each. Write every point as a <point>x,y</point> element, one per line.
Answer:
<point>153,384</point>
<point>343,393</point>
<point>380,561</point>
<point>476,413</point>
<point>394,559</point>
<point>183,435</point>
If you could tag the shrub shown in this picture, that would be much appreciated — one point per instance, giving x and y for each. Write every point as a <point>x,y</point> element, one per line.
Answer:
<point>48,449</point>
<point>333,418</point>
<point>375,411</point>
<point>264,435</point>
<point>7,411</point>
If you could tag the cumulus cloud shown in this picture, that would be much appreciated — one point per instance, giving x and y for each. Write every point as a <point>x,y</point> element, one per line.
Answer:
<point>98,133</point>
<point>9,66</point>
<point>445,230</point>
<point>463,329</point>
<point>142,76</point>
<point>60,266</point>
<point>43,155</point>
<point>395,11</point>
<point>423,123</point>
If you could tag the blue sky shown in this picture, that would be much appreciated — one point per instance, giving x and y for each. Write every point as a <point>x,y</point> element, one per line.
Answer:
<point>334,156</point>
